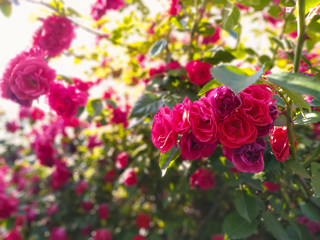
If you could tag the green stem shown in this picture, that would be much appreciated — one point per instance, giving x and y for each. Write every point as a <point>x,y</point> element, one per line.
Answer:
<point>290,131</point>
<point>313,157</point>
<point>301,34</point>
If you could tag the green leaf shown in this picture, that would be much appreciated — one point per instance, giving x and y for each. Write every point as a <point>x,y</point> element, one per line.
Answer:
<point>6,8</point>
<point>315,179</point>
<point>234,78</point>
<point>297,82</point>
<point>180,24</point>
<point>147,104</point>
<point>309,211</point>
<point>94,107</point>
<point>168,158</point>
<point>297,168</point>
<point>247,206</point>
<point>237,227</point>
<point>297,99</point>
<point>208,86</point>
<point>312,117</point>
<point>220,56</point>
<point>274,227</point>
<point>158,47</point>
<point>230,16</point>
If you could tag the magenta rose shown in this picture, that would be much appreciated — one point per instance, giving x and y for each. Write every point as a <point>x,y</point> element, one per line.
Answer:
<point>81,187</point>
<point>58,233</point>
<point>55,35</point>
<point>236,131</point>
<point>143,221</point>
<point>175,7</point>
<point>199,72</point>
<point>203,121</point>
<point>14,235</point>
<point>260,92</point>
<point>60,176</point>
<point>180,116</point>
<point>8,205</point>
<point>37,114</point>
<point>26,78</point>
<point>122,160</point>
<point>66,100</point>
<point>247,158</point>
<point>45,151</point>
<point>130,178</point>
<point>256,111</point>
<point>193,149</point>
<point>101,6</point>
<point>102,234</point>
<point>163,135</point>
<point>223,101</point>
<point>103,211</point>
<point>265,130</point>
<point>202,178</point>
<point>272,187</point>
<point>138,237</point>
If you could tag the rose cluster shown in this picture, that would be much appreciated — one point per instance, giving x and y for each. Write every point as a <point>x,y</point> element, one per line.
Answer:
<point>238,122</point>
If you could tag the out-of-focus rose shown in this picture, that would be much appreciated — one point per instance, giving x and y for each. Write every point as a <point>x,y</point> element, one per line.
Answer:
<point>12,126</point>
<point>55,35</point>
<point>193,149</point>
<point>102,234</point>
<point>203,122</point>
<point>272,187</point>
<point>52,209</point>
<point>37,114</point>
<point>180,116</point>
<point>8,205</point>
<point>223,101</point>
<point>163,135</point>
<point>45,151</point>
<point>87,206</point>
<point>110,176</point>
<point>213,38</point>
<point>122,160</point>
<point>26,78</point>
<point>199,72</point>
<point>143,220</point>
<point>58,233</point>
<point>130,178</point>
<point>81,187</point>
<point>14,235</point>
<point>175,7</point>
<point>202,178</point>
<point>218,237</point>
<point>60,176</point>
<point>280,143</point>
<point>103,211</point>
<point>120,116</point>
<point>138,237</point>
<point>236,131</point>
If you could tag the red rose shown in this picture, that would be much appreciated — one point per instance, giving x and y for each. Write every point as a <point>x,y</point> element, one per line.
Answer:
<point>8,205</point>
<point>81,187</point>
<point>122,160</point>
<point>58,233</point>
<point>202,178</point>
<point>87,206</point>
<point>237,131</point>
<point>103,211</point>
<point>12,126</point>
<point>280,143</point>
<point>180,116</point>
<point>163,135</point>
<point>102,234</point>
<point>193,149</point>
<point>14,235</point>
<point>143,221</point>
<point>37,114</point>
<point>138,237</point>
<point>60,176</point>
<point>199,72</point>
<point>203,122</point>
<point>260,92</point>
<point>110,176</point>
<point>130,178</point>
<point>272,187</point>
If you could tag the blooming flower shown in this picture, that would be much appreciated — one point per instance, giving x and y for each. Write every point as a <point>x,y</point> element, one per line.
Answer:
<point>143,221</point>
<point>202,178</point>
<point>55,35</point>
<point>130,178</point>
<point>280,143</point>
<point>122,160</point>
<point>199,72</point>
<point>102,234</point>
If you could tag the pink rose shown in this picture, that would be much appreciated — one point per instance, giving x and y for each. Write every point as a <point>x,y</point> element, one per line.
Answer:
<point>213,38</point>
<point>26,78</point>
<point>13,235</point>
<point>55,35</point>
<point>8,205</point>
<point>102,234</point>
<point>202,178</point>
<point>247,158</point>
<point>203,121</point>
<point>260,92</point>
<point>37,114</point>
<point>256,111</point>
<point>103,211</point>
<point>223,101</point>
<point>60,176</point>
<point>52,209</point>
<point>110,176</point>
<point>138,237</point>
<point>163,135</point>
<point>130,178</point>
<point>87,206</point>
<point>175,7</point>
<point>199,72</point>
<point>122,160</point>
<point>236,131</point>
<point>81,187</point>
<point>12,126</point>
<point>66,100</point>
<point>280,143</point>
<point>143,221</point>
<point>193,149</point>
<point>45,151</point>
<point>312,226</point>
<point>58,233</point>
<point>174,65</point>
<point>120,117</point>
<point>180,116</point>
